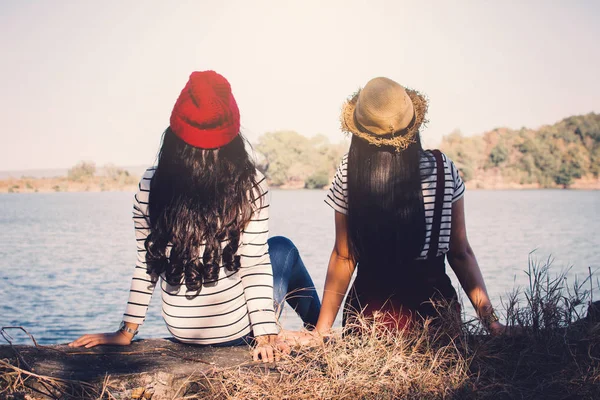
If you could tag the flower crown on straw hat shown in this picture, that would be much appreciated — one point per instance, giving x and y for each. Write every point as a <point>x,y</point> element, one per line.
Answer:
<point>384,113</point>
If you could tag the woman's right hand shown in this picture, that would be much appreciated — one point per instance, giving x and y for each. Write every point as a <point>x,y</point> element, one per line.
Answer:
<point>497,329</point>
<point>118,338</point>
<point>304,338</point>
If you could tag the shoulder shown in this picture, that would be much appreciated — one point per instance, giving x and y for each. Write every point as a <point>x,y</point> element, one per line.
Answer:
<point>452,170</point>
<point>451,167</point>
<point>259,175</point>
<point>343,167</point>
<point>147,179</point>
<point>428,157</point>
<point>446,159</point>
<point>142,198</point>
<point>341,173</point>
<point>261,181</point>
<point>260,190</point>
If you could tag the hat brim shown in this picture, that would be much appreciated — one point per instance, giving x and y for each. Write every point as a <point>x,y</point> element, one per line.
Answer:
<point>400,142</point>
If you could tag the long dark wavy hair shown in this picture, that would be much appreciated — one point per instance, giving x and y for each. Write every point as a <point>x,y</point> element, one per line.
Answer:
<point>198,198</point>
<point>386,215</point>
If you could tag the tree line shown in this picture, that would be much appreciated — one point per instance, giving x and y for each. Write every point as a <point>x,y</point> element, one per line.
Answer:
<point>553,155</point>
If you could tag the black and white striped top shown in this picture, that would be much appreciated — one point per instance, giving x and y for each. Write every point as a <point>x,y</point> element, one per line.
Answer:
<point>337,197</point>
<point>238,303</point>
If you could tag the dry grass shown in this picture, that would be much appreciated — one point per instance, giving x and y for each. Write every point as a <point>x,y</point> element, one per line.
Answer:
<point>378,364</point>
<point>557,356</point>
<point>19,383</point>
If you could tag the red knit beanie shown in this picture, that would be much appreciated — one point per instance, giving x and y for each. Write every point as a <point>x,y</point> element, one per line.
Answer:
<point>206,114</point>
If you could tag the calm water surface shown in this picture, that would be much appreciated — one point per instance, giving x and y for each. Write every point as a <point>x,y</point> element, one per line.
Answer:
<point>66,259</point>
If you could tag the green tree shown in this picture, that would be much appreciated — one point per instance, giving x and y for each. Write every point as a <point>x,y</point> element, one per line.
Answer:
<point>574,165</point>
<point>498,155</point>
<point>282,150</point>
<point>318,180</point>
<point>466,152</point>
<point>595,161</point>
<point>287,157</point>
<point>466,172</point>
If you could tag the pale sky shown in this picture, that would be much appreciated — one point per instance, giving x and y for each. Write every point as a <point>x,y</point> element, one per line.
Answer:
<point>91,80</point>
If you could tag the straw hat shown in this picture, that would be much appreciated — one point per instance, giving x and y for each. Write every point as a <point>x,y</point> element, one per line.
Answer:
<point>384,113</point>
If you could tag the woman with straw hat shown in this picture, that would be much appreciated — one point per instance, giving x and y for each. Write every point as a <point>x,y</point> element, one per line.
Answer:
<point>399,211</point>
<point>201,220</point>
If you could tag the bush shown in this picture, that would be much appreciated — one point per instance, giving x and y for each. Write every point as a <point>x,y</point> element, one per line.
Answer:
<point>318,180</point>
<point>498,155</point>
<point>467,173</point>
<point>115,173</point>
<point>118,175</point>
<point>83,170</point>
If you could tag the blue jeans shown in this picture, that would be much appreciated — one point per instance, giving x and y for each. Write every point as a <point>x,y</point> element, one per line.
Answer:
<point>291,283</point>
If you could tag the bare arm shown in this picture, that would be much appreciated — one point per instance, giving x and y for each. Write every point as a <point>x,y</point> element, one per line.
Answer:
<point>142,285</point>
<point>118,338</point>
<point>464,264</point>
<point>339,273</point>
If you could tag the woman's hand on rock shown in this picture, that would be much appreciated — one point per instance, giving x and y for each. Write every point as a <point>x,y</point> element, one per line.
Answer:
<point>269,348</point>
<point>118,338</point>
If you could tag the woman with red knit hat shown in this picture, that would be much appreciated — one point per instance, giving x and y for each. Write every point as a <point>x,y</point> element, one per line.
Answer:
<point>201,223</point>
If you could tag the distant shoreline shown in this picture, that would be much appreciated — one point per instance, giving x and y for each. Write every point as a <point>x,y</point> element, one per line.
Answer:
<point>105,184</point>
<point>63,184</point>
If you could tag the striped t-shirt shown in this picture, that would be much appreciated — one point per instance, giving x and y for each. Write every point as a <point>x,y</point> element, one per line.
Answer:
<point>239,302</point>
<point>337,197</point>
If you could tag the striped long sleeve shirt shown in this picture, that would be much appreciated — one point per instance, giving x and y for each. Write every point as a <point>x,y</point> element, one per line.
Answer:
<point>454,189</point>
<point>237,304</point>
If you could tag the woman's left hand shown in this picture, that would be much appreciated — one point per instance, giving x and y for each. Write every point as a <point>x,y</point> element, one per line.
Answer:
<point>118,338</point>
<point>269,348</point>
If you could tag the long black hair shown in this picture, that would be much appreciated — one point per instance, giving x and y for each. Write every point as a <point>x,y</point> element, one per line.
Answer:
<point>386,215</point>
<point>198,198</point>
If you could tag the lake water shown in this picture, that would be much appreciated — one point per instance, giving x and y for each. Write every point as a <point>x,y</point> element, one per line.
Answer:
<point>66,259</point>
